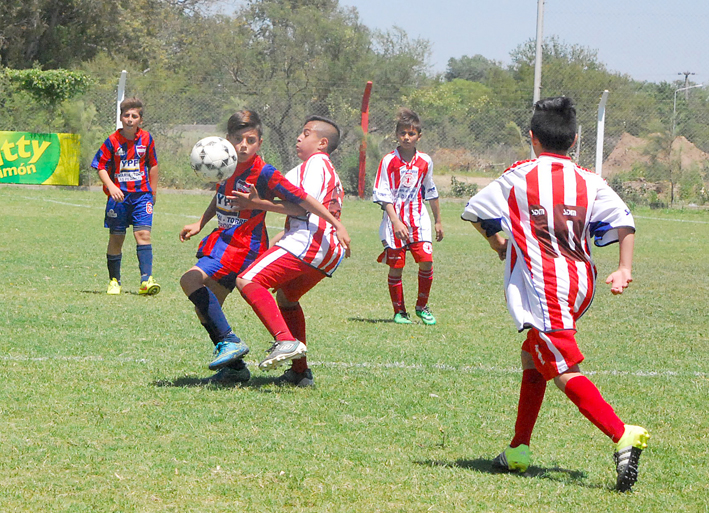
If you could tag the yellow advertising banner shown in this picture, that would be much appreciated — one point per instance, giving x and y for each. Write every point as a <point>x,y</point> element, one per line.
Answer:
<point>34,158</point>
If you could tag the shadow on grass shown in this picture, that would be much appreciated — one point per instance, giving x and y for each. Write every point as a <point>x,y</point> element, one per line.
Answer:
<point>187,381</point>
<point>559,474</point>
<point>371,321</point>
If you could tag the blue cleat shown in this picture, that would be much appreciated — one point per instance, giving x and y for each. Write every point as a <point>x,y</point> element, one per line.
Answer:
<point>227,352</point>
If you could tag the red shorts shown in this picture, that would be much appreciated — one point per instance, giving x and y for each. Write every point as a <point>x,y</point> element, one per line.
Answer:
<point>554,352</point>
<point>278,269</point>
<point>396,258</point>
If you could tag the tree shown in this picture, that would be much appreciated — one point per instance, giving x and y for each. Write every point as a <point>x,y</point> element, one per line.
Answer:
<point>475,68</point>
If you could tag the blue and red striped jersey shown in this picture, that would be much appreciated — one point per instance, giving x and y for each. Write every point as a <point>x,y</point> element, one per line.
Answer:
<point>127,162</point>
<point>241,235</point>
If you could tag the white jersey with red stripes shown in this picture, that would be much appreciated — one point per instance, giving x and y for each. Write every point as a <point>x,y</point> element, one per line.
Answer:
<point>311,238</point>
<point>550,209</point>
<point>406,185</point>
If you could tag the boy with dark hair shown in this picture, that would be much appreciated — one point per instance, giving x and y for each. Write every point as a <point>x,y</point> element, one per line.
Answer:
<point>128,168</point>
<point>310,249</point>
<point>404,181</point>
<point>551,209</point>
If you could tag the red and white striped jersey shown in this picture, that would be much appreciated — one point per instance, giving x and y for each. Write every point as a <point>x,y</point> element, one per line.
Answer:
<point>311,238</point>
<point>550,209</point>
<point>406,185</point>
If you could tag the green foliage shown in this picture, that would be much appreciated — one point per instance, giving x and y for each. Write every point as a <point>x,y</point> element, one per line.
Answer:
<point>461,189</point>
<point>51,86</point>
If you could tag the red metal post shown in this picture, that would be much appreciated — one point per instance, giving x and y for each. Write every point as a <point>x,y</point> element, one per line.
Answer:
<point>363,144</point>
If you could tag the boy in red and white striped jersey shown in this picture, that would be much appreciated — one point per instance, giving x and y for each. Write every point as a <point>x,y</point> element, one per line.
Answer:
<point>310,249</point>
<point>404,181</point>
<point>551,210</point>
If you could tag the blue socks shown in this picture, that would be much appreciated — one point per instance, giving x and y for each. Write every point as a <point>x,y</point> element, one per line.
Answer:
<point>114,266</point>
<point>214,319</point>
<point>145,260</point>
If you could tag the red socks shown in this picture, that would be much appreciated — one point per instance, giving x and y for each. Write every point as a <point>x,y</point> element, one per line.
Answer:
<point>295,320</point>
<point>265,307</point>
<point>396,291</point>
<point>425,281</point>
<point>531,395</point>
<point>584,394</point>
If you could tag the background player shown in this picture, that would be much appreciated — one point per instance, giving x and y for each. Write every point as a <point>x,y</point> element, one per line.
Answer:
<point>310,249</point>
<point>128,168</point>
<point>550,208</point>
<point>404,181</point>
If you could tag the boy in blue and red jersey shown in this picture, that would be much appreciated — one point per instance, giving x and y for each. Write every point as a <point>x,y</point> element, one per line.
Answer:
<point>238,240</point>
<point>128,168</point>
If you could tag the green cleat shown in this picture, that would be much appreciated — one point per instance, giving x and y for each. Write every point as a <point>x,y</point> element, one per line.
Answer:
<point>402,318</point>
<point>426,316</point>
<point>149,287</point>
<point>114,288</point>
<point>513,459</point>
<point>627,456</point>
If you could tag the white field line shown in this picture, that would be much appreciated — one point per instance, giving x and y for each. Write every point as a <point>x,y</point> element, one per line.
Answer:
<point>672,220</point>
<point>185,216</point>
<point>469,369</point>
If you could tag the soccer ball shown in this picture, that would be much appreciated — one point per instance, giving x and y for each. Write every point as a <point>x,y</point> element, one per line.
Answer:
<point>213,159</point>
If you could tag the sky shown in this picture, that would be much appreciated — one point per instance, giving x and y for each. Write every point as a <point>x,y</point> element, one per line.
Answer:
<point>650,40</point>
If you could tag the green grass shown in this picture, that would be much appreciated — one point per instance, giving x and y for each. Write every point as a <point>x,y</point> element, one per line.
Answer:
<point>101,408</point>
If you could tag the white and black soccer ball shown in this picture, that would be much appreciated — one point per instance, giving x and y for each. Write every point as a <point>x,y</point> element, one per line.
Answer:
<point>213,159</point>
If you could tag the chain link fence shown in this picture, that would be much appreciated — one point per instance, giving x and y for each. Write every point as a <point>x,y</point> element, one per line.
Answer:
<point>474,144</point>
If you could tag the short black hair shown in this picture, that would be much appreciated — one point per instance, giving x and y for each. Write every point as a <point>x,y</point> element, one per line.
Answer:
<point>244,119</point>
<point>332,136</point>
<point>554,123</point>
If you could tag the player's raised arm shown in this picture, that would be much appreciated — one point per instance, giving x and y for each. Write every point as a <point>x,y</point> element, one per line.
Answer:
<point>252,201</point>
<point>621,278</point>
<point>190,230</point>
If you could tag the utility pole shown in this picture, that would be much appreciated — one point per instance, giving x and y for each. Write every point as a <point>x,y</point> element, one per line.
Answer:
<point>686,82</point>
<point>538,59</point>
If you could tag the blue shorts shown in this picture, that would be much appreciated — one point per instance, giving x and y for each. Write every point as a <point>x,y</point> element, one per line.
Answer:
<point>136,209</point>
<point>216,271</point>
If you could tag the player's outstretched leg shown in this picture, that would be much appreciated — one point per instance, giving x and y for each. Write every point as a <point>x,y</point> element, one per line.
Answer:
<point>627,456</point>
<point>513,459</point>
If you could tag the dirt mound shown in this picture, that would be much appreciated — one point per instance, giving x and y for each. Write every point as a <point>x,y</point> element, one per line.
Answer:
<point>630,151</point>
<point>627,152</point>
<point>688,153</point>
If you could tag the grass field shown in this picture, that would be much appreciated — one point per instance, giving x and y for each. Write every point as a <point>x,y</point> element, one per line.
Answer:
<point>101,408</point>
